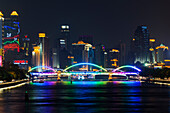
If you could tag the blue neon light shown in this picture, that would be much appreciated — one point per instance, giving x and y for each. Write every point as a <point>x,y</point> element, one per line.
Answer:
<point>6,27</point>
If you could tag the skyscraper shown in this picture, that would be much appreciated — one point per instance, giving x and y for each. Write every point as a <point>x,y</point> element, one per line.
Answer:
<point>55,58</point>
<point>36,56</point>
<point>161,53</point>
<point>141,44</point>
<point>113,57</point>
<point>78,49</point>
<point>99,54</point>
<point>44,49</point>
<point>11,43</point>
<point>65,36</point>
<point>152,50</point>
<point>122,59</point>
<point>88,55</point>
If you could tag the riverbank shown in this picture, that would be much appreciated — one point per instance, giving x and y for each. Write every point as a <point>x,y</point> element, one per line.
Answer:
<point>13,84</point>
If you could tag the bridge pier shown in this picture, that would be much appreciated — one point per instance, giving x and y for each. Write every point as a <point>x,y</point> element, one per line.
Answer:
<point>110,77</point>
<point>58,77</point>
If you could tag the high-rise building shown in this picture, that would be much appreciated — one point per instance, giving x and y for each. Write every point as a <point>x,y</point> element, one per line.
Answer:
<point>88,55</point>
<point>62,44</point>
<point>36,56</point>
<point>99,54</point>
<point>26,45</point>
<point>141,44</point>
<point>63,47</point>
<point>44,49</point>
<point>113,57</point>
<point>55,58</point>
<point>161,53</point>
<point>152,50</point>
<point>78,49</point>
<point>122,59</point>
<point>65,36</point>
<point>11,43</point>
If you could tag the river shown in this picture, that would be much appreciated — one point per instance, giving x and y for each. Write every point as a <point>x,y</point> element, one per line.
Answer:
<point>87,97</point>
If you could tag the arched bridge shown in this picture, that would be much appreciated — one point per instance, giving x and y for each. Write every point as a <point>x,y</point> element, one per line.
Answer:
<point>94,73</point>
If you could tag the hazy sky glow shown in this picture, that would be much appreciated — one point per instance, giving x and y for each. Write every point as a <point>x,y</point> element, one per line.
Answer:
<point>108,21</point>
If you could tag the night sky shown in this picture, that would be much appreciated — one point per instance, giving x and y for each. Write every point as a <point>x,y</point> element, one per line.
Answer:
<point>109,21</point>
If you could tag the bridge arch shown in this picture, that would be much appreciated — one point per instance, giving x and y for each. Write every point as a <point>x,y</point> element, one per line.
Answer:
<point>129,66</point>
<point>91,64</point>
<point>41,67</point>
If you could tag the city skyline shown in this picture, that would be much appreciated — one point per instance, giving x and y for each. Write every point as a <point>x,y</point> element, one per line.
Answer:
<point>114,20</point>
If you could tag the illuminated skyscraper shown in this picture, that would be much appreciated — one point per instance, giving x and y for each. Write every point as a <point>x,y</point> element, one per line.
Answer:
<point>26,45</point>
<point>36,56</point>
<point>65,36</point>
<point>88,55</point>
<point>11,42</point>
<point>113,57</point>
<point>141,44</point>
<point>152,50</point>
<point>55,58</point>
<point>161,53</point>
<point>78,49</point>
<point>44,49</point>
<point>11,33</point>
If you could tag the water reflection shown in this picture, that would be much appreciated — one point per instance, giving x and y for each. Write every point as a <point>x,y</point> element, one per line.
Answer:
<point>87,96</point>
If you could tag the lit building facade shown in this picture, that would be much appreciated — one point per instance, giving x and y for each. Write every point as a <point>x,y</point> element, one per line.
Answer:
<point>140,45</point>
<point>11,43</point>
<point>63,49</point>
<point>161,53</point>
<point>78,49</point>
<point>55,58</point>
<point>26,45</point>
<point>44,49</point>
<point>152,50</point>
<point>65,36</point>
<point>36,56</point>
<point>88,55</point>
<point>113,58</point>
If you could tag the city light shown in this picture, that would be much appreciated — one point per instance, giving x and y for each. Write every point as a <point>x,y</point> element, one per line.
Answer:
<point>152,40</point>
<point>14,13</point>
<point>41,35</point>
<point>79,43</point>
<point>114,50</point>
<point>1,14</point>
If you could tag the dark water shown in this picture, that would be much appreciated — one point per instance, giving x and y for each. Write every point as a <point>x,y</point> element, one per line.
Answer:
<point>88,97</point>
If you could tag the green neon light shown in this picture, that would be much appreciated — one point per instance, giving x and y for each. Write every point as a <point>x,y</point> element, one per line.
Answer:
<point>41,67</point>
<point>127,66</point>
<point>78,64</point>
<point>11,42</point>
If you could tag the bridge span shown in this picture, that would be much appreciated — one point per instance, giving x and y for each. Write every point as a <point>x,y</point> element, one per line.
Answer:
<point>67,73</point>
